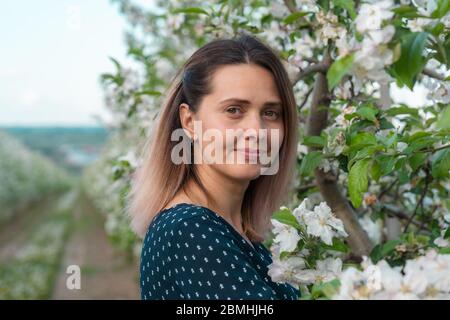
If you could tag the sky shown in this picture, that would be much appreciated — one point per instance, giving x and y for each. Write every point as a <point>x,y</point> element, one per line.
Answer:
<point>52,53</point>
<point>51,56</point>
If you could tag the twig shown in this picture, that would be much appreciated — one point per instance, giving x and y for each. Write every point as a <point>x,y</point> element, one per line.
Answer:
<point>310,60</point>
<point>438,148</point>
<point>389,187</point>
<point>433,74</point>
<point>426,150</point>
<point>306,187</point>
<point>396,212</point>
<point>420,203</point>
<point>306,98</point>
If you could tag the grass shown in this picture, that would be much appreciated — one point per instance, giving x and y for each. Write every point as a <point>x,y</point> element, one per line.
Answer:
<point>32,272</point>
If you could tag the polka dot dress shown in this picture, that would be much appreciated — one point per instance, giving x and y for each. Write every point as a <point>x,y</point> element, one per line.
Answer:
<point>191,252</point>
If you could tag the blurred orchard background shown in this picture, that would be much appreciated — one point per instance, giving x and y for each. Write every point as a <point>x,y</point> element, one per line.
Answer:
<point>83,82</point>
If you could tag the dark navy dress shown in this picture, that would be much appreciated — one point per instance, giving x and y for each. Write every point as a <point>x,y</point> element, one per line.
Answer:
<point>191,252</point>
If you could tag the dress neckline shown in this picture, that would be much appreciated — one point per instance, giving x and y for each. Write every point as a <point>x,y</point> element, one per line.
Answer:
<point>218,216</point>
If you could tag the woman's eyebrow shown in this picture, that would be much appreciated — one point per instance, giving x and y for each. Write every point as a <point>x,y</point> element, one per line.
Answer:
<point>243,101</point>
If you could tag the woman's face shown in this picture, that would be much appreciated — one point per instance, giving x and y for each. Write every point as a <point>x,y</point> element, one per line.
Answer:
<point>244,101</point>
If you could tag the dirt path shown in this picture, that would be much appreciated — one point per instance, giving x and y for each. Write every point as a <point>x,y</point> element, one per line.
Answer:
<point>105,273</point>
<point>16,231</point>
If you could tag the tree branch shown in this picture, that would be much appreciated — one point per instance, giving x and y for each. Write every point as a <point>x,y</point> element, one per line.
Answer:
<point>314,68</point>
<point>420,202</point>
<point>290,4</point>
<point>389,187</point>
<point>306,99</point>
<point>358,238</point>
<point>396,212</point>
<point>433,74</point>
<point>306,187</point>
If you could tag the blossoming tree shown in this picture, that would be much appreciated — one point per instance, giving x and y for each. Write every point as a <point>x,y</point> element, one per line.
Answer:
<point>372,187</point>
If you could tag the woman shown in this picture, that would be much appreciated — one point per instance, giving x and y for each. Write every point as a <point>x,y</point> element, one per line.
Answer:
<point>203,222</point>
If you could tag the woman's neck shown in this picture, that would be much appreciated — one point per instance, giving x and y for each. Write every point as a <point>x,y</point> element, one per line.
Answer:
<point>226,195</point>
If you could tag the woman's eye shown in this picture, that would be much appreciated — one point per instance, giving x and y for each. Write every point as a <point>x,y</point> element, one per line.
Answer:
<point>233,110</point>
<point>273,115</point>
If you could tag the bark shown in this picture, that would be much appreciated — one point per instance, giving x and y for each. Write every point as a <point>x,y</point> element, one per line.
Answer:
<point>358,239</point>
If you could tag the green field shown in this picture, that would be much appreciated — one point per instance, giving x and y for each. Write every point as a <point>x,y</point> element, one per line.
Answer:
<point>69,147</point>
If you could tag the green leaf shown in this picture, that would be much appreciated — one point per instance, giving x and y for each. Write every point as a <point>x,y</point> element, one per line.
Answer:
<point>325,289</point>
<point>358,181</point>
<point>367,112</point>
<point>375,171</point>
<point>365,153</point>
<point>338,245</point>
<point>419,144</point>
<point>444,119</point>
<point>348,5</point>
<point>193,10</point>
<point>314,141</point>
<point>285,216</point>
<point>116,63</point>
<point>388,140</point>
<point>293,17</point>
<point>442,48</point>
<point>407,12</point>
<point>402,110</point>
<point>447,233</point>
<point>417,160</point>
<point>375,254</point>
<point>411,61</point>
<point>443,6</point>
<point>385,124</point>
<point>440,165</point>
<point>444,250</point>
<point>417,135</point>
<point>309,162</point>
<point>389,246</point>
<point>387,163</point>
<point>338,69</point>
<point>361,140</point>
<point>437,29</point>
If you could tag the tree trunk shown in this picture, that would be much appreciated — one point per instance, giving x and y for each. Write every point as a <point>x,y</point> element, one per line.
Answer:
<point>358,239</point>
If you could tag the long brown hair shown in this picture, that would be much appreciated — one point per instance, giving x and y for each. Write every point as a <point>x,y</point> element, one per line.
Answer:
<point>158,179</point>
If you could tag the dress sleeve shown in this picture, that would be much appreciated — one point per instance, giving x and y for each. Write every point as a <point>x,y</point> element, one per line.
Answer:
<point>205,262</point>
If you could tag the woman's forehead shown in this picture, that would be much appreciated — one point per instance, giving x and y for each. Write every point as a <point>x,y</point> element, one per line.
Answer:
<point>245,82</point>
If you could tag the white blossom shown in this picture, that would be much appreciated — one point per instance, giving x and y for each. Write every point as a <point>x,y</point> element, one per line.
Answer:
<point>330,28</point>
<point>425,277</point>
<point>174,21</point>
<point>370,16</point>
<point>321,222</point>
<point>278,9</point>
<point>418,24</point>
<point>328,269</point>
<point>286,269</point>
<point>441,241</point>
<point>286,236</point>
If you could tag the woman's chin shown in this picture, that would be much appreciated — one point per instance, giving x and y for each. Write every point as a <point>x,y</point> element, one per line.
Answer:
<point>245,171</point>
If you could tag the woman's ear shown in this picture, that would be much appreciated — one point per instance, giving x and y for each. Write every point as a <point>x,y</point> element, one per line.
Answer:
<point>187,119</point>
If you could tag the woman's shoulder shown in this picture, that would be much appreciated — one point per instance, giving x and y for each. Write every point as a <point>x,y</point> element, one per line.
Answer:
<point>171,221</point>
<point>178,212</point>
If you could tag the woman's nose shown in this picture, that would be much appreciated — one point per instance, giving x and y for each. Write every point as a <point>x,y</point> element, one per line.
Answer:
<point>255,122</point>
<point>253,127</point>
